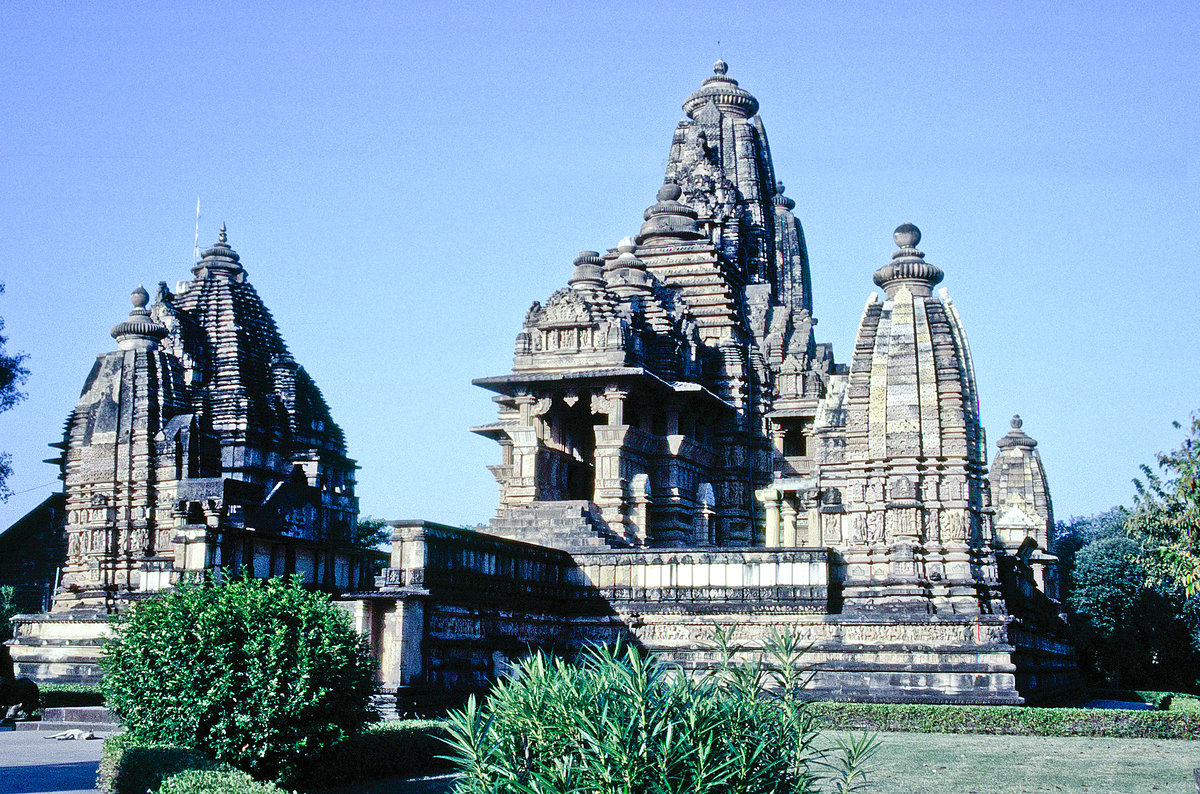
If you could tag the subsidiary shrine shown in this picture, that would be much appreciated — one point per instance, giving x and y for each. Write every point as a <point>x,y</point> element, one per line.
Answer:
<point>677,453</point>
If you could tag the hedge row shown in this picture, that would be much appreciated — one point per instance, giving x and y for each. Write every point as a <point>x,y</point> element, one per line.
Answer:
<point>66,695</point>
<point>1016,720</point>
<point>384,749</point>
<point>229,781</point>
<point>128,767</point>
<point>387,749</point>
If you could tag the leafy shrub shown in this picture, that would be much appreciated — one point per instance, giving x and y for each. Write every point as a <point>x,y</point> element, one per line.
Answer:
<point>261,674</point>
<point>66,695</point>
<point>8,608</point>
<point>128,766</point>
<point>229,781</point>
<point>410,748</point>
<point>621,721</point>
<point>1013,720</point>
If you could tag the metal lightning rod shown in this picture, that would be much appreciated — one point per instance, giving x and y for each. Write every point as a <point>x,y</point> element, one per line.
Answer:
<point>196,238</point>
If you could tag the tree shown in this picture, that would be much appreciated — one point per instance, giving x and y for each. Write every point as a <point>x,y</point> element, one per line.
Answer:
<point>1166,514</point>
<point>1130,629</point>
<point>261,674</point>
<point>13,375</point>
<point>8,608</point>
<point>1077,532</point>
<point>372,532</point>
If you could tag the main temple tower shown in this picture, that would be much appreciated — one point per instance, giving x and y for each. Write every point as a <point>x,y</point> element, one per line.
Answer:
<point>636,412</point>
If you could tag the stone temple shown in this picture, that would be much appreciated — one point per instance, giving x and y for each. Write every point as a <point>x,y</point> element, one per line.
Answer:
<point>678,452</point>
<point>197,445</point>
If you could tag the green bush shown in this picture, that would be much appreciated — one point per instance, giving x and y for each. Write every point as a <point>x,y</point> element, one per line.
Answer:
<point>1013,720</point>
<point>65,695</point>
<point>386,749</point>
<point>621,721</point>
<point>230,781</point>
<point>128,766</point>
<point>8,608</point>
<point>261,674</point>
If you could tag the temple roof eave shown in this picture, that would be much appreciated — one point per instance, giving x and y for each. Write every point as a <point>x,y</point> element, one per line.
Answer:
<point>509,384</point>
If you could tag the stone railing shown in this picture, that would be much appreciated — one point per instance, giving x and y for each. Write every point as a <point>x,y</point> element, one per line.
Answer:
<point>465,564</point>
<point>790,578</point>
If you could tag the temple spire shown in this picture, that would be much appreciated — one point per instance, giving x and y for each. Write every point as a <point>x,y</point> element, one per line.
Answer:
<point>220,259</point>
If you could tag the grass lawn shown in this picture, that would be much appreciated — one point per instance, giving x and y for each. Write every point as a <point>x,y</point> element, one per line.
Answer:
<point>941,763</point>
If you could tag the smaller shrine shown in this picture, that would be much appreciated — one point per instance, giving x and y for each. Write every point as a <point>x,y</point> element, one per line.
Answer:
<point>198,446</point>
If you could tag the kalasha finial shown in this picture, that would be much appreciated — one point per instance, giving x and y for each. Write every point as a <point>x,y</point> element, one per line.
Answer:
<point>139,298</point>
<point>1016,437</point>
<point>669,192</point>
<point>720,67</point>
<point>907,235</point>
<point>223,238</point>
<point>139,331</point>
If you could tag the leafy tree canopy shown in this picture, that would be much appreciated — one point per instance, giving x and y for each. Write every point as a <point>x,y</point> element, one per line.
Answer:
<point>372,532</point>
<point>13,375</point>
<point>1166,514</point>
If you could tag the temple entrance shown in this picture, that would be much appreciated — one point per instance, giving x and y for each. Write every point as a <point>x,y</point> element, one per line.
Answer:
<point>567,462</point>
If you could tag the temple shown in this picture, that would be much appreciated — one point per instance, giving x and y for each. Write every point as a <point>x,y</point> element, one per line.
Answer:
<point>673,431</point>
<point>679,455</point>
<point>198,445</point>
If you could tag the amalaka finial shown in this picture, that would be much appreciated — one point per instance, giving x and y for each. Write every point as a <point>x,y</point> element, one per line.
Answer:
<point>223,238</point>
<point>908,266</point>
<point>781,200</point>
<point>720,67</point>
<point>139,331</point>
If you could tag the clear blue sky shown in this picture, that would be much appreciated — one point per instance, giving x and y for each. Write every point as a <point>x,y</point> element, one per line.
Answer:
<point>403,180</point>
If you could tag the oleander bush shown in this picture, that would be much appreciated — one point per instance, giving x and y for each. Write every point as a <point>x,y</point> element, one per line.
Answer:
<point>261,674</point>
<point>1019,720</point>
<point>621,721</point>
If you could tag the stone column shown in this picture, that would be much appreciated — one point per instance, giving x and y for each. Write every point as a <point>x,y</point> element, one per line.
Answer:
<point>770,499</point>
<point>788,533</point>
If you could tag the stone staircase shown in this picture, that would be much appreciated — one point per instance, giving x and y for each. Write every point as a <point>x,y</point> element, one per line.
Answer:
<point>569,525</point>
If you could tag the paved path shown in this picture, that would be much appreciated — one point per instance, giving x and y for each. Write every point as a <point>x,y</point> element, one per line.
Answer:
<point>30,763</point>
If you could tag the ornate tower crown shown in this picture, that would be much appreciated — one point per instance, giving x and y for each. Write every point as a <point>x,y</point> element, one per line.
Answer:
<point>908,266</point>
<point>220,259</point>
<point>724,93</point>
<point>138,332</point>
<point>1016,437</point>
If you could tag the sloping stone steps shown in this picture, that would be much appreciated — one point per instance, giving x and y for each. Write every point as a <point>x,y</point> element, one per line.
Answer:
<point>570,525</point>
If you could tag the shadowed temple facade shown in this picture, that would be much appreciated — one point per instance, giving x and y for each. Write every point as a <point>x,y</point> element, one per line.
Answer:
<point>197,446</point>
